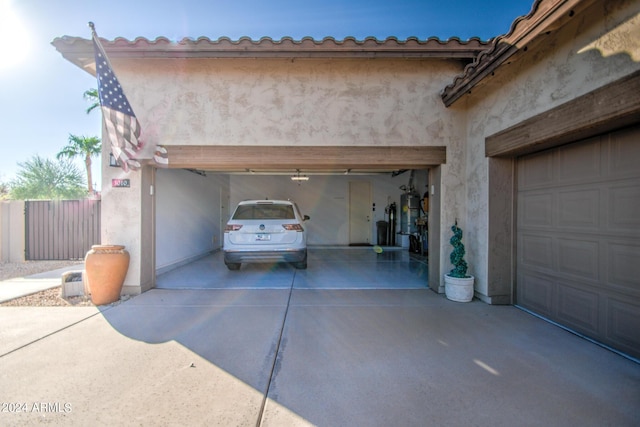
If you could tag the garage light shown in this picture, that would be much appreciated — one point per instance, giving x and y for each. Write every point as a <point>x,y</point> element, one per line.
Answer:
<point>298,177</point>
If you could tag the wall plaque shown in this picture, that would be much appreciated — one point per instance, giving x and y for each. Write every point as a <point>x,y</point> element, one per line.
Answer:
<point>120,183</point>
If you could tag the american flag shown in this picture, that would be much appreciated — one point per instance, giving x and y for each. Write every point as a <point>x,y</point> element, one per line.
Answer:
<point>122,127</point>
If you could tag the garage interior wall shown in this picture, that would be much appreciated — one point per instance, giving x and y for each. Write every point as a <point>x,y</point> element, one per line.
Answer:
<point>325,198</point>
<point>187,216</point>
<point>189,219</point>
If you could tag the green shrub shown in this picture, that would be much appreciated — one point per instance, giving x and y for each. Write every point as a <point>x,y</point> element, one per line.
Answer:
<point>457,255</point>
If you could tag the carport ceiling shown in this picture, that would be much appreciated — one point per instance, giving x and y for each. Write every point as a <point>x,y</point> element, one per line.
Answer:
<point>306,159</point>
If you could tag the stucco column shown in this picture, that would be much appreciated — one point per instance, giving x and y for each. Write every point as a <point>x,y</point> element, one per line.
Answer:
<point>452,196</point>
<point>12,231</point>
<point>500,254</point>
<point>127,218</point>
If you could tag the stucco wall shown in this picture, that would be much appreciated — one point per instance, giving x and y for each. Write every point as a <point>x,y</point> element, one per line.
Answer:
<point>187,216</point>
<point>592,50</point>
<point>121,218</point>
<point>289,102</point>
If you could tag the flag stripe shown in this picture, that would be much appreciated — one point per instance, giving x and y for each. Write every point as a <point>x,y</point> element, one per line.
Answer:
<point>121,124</point>
<point>122,128</point>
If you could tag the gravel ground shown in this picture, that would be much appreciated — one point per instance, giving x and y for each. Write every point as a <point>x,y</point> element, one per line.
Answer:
<point>11,270</point>
<point>48,298</point>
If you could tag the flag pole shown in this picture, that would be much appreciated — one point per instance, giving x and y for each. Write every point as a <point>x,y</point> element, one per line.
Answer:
<point>94,36</point>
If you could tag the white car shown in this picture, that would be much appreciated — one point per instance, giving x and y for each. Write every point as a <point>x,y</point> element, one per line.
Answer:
<point>265,231</point>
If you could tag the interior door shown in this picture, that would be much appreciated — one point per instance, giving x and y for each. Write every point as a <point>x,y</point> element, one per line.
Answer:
<point>359,213</point>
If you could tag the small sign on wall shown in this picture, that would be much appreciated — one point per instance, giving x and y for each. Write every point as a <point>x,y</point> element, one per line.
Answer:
<point>120,183</point>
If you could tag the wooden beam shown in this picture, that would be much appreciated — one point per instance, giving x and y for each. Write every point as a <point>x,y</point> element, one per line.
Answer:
<point>610,107</point>
<point>238,157</point>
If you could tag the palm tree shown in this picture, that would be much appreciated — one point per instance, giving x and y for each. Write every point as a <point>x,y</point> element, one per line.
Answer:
<point>82,146</point>
<point>92,96</point>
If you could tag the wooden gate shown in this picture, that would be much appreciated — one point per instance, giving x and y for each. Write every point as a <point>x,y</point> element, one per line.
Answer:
<point>61,229</point>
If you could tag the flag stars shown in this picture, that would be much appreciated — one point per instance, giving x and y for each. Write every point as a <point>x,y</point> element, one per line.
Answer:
<point>109,89</point>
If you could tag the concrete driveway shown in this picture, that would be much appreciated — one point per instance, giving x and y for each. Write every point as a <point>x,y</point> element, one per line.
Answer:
<point>305,356</point>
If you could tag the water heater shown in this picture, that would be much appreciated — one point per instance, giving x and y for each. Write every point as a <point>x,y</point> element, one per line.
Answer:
<point>409,212</point>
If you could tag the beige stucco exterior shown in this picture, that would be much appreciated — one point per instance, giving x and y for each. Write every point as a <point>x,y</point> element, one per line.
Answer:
<point>249,102</point>
<point>342,101</point>
<point>290,102</point>
<point>594,49</point>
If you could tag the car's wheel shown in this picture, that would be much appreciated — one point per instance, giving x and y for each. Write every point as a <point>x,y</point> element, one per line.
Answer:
<point>233,265</point>
<point>300,265</point>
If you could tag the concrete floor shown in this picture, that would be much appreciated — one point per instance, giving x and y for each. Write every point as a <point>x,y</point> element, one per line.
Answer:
<point>328,268</point>
<point>255,354</point>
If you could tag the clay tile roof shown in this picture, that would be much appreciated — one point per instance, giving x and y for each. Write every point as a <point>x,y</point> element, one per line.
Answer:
<point>80,51</point>
<point>526,32</point>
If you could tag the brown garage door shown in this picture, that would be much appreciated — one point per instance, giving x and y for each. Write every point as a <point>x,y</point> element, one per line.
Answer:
<point>578,237</point>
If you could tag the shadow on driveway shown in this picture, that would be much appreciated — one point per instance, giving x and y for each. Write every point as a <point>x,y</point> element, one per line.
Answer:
<point>286,348</point>
<point>390,357</point>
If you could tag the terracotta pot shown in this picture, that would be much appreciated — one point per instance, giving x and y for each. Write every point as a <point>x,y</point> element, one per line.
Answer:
<point>106,267</point>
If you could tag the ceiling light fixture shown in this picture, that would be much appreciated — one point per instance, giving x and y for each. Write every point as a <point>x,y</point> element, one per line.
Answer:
<point>298,177</point>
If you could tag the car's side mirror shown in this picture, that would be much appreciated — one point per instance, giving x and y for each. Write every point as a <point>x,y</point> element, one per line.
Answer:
<point>306,217</point>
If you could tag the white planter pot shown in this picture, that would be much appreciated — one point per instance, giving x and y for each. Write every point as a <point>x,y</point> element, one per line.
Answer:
<point>458,289</point>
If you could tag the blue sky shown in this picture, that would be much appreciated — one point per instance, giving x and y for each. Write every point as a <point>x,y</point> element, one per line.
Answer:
<point>41,93</point>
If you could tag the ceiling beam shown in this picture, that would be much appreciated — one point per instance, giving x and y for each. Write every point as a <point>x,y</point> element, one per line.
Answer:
<point>256,158</point>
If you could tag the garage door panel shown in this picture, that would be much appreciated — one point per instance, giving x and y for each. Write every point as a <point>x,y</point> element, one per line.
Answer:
<point>623,324</point>
<point>579,258</point>
<point>623,154</point>
<point>536,251</point>
<point>578,237</point>
<point>535,173</point>
<point>579,163</point>
<point>624,209</point>
<point>535,209</point>
<point>536,292</point>
<point>578,308</point>
<point>579,208</point>
<point>624,268</point>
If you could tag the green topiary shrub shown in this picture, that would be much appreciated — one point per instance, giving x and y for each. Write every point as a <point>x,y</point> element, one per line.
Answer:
<point>457,255</point>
